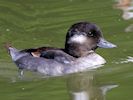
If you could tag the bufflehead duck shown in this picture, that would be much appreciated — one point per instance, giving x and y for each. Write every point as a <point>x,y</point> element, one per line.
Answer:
<point>80,39</point>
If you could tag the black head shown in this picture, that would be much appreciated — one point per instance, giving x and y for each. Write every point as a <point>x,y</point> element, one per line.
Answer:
<point>83,37</point>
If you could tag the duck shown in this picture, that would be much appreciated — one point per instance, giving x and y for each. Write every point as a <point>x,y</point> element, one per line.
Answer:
<point>82,39</point>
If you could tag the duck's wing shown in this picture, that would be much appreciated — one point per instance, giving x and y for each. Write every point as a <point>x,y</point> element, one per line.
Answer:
<point>36,52</point>
<point>58,55</point>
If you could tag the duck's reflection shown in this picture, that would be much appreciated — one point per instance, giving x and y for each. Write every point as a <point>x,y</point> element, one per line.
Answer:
<point>83,86</point>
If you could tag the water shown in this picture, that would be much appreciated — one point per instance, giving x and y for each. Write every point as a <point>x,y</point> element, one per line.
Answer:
<point>35,23</point>
<point>84,86</point>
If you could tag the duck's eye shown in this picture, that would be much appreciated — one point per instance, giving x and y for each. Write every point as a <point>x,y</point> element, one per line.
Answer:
<point>90,33</point>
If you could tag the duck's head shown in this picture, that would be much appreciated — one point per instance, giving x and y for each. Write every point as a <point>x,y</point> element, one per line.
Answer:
<point>83,37</point>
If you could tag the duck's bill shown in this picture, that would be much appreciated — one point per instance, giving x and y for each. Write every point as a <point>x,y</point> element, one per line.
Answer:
<point>105,44</point>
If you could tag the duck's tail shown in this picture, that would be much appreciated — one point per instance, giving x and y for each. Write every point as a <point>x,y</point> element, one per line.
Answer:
<point>7,46</point>
<point>14,53</point>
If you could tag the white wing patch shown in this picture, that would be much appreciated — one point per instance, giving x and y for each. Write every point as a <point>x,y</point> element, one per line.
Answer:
<point>78,39</point>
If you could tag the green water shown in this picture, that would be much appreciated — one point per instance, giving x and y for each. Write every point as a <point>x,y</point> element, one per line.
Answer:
<point>35,23</point>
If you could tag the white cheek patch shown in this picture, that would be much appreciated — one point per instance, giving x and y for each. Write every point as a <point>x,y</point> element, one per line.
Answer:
<point>78,39</point>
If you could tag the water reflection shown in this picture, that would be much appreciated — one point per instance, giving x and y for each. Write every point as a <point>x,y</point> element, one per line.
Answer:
<point>83,86</point>
<point>127,8</point>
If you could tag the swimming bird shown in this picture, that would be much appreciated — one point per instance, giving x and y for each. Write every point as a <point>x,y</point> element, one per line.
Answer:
<point>82,40</point>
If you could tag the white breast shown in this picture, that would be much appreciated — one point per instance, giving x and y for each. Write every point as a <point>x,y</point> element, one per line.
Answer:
<point>92,61</point>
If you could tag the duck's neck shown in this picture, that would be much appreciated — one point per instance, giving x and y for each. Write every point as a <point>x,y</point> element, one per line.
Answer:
<point>77,50</point>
